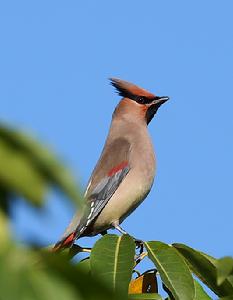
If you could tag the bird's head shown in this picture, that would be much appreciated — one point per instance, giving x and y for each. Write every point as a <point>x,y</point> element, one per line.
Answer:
<point>137,100</point>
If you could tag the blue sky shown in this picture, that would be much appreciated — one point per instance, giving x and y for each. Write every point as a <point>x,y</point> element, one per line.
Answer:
<point>55,58</point>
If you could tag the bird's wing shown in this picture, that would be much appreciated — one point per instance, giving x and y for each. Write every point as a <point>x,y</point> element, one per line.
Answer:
<point>108,174</point>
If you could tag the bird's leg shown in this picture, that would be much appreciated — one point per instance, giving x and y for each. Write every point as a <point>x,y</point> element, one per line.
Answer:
<point>139,243</point>
<point>121,230</point>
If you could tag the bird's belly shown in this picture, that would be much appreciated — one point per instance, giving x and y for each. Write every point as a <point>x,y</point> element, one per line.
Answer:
<point>125,200</point>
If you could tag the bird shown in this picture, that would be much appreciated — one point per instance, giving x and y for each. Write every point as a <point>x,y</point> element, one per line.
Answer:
<point>125,172</point>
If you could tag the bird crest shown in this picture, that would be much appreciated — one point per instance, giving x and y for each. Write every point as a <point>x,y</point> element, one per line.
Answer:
<point>129,90</point>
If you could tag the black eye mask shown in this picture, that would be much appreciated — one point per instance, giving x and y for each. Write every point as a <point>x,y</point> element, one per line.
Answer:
<point>144,100</point>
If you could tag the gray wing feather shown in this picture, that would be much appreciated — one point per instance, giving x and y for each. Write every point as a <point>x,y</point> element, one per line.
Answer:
<point>101,186</point>
<point>99,197</point>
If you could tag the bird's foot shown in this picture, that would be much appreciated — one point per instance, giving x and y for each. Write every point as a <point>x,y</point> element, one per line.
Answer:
<point>139,243</point>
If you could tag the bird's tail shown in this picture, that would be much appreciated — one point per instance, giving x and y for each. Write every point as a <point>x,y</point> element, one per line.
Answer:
<point>65,242</point>
<point>70,234</point>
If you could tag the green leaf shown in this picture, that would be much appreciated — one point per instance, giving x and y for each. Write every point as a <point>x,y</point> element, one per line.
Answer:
<point>18,175</point>
<point>200,294</point>
<point>173,270</point>
<point>4,230</point>
<point>84,265</point>
<point>26,275</point>
<point>43,161</point>
<point>21,279</point>
<point>204,267</point>
<point>112,259</point>
<point>227,298</point>
<point>147,296</point>
<point>224,268</point>
<point>230,279</point>
<point>42,286</point>
<point>87,286</point>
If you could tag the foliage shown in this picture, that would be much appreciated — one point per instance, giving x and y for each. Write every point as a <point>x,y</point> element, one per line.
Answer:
<point>28,169</point>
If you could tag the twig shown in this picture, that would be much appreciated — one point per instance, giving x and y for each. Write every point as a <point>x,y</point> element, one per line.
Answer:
<point>140,258</point>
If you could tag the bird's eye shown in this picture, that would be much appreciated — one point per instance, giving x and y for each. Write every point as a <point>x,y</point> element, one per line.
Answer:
<point>142,100</point>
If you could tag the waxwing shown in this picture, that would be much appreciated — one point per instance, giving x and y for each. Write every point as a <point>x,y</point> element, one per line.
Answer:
<point>125,171</point>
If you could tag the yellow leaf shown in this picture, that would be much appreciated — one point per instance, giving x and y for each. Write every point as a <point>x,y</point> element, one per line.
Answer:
<point>146,283</point>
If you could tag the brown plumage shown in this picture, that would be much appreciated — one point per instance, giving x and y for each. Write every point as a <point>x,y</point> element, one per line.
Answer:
<point>125,171</point>
<point>129,90</point>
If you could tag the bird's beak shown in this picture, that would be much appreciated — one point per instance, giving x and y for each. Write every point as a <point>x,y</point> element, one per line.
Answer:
<point>160,100</point>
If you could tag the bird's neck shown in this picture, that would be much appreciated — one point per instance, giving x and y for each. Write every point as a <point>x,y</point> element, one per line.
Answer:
<point>130,111</point>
